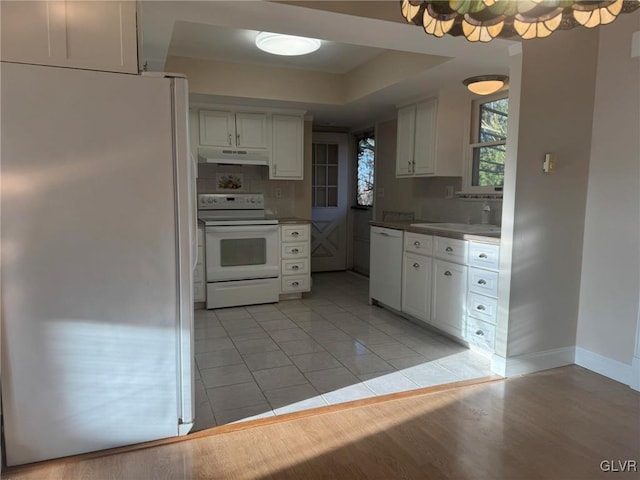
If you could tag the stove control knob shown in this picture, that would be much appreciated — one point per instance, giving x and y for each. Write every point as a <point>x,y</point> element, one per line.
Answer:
<point>210,200</point>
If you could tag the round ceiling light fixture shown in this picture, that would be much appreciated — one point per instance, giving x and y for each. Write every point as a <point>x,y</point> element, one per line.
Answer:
<point>289,45</point>
<point>485,84</point>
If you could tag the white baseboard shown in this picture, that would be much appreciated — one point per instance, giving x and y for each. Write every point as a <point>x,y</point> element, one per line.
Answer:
<point>532,362</point>
<point>613,369</point>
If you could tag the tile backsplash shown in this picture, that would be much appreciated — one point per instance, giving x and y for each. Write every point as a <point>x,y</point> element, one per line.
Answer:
<point>278,194</point>
<point>432,203</point>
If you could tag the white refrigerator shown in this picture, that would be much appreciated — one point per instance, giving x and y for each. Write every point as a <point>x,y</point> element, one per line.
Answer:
<point>97,237</point>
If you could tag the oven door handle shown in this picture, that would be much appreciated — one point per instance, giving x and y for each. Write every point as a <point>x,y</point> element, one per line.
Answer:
<point>243,229</point>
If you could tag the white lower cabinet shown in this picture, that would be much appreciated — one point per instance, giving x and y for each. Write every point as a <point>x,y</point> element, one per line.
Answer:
<point>199,283</point>
<point>294,258</point>
<point>482,299</point>
<point>449,297</point>
<point>416,275</point>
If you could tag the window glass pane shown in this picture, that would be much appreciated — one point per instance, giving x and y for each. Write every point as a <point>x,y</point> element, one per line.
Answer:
<point>321,177</point>
<point>235,252</point>
<point>332,197</point>
<point>488,166</point>
<point>332,176</point>
<point>493,121</point>
<point>366,150</point>
<point>321,196</point>
<point>321,154</point>
<point>332,154</point>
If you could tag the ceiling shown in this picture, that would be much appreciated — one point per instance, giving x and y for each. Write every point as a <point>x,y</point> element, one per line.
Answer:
<point>357,36</point>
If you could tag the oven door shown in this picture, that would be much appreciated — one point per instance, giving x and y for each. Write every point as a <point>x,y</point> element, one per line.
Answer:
<point>242,252</point>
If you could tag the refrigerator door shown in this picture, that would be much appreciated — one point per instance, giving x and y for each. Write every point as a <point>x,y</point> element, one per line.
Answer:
<point>91,298</point>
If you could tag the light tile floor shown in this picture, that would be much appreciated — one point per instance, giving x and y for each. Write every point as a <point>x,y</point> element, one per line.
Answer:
<point>329,348</point>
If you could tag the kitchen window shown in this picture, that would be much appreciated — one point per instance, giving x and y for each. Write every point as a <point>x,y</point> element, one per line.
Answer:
<point>365,169</point>
<point>487,152</point>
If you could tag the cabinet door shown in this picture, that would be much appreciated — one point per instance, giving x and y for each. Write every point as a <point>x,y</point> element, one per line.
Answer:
<point>251,130</point>
<point>287,149</point>
<point>97,35</point>
<point>405,141</point>
<point>425,138</point>
<point>449,297</point>
<point>217,128</point>
<point>416,286</point>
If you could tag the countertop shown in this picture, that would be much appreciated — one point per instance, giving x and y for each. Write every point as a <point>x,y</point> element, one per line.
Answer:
<point>491,238</point>
<point>291,220</point>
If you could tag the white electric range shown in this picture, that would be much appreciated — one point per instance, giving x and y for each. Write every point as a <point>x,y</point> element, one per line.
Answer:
<point>242,250</point>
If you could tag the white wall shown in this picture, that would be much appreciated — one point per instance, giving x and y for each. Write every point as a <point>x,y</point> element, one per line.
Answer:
<point>547,224</point>
<point>609,293</point>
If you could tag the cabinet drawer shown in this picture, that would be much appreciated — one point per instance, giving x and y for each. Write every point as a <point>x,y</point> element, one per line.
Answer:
<point>450,249</point>
<point>483,255</point>
<point>298,283</point>
<point>484,308</point>
<point>418,243</point>
<point>483,282</point>
<point>292,233</point>
<point>295,250</point>
<point>295,267</point>
<point>481,333</point>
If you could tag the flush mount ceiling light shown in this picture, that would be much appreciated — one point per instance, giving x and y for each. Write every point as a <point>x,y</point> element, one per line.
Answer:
<point>289,45</point>
<point>484,20</point>
<point>486,84</point>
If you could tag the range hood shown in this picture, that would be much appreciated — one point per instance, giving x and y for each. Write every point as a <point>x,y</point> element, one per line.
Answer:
<point>233,156</point>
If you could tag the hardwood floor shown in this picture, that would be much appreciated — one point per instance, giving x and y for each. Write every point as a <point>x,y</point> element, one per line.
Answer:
<point>558,424</point>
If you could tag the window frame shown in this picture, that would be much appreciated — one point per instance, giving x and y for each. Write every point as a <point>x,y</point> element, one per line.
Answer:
<point>472,143</point>
<point>358,137</point>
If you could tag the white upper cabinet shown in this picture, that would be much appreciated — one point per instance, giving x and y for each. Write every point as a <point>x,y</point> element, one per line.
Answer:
<point>251,130</point>
<point>217,128</point>
<point>420,127</point>
<point>98,35</point>
<point>233,129</point>
<point>287,153</point>
<point>405,141</point>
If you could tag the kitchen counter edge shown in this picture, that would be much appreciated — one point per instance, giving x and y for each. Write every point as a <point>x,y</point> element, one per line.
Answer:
<point>493,239</point>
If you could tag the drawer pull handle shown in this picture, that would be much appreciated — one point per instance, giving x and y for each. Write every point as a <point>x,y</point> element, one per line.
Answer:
<point>483,255</point>
<point>448,249</point>
<point>416,265</point>
<point>294,234</point>
<point>482,308</point>
<point>482,282</point>
<point>294,250</point>
<point>480,333</point>
<point>416,243</point>
<point>295,267</point>
<point>447,273</point>
<point>295,284</point>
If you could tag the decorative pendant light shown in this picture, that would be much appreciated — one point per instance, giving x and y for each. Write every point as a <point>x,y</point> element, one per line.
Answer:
<point>485,84</point>
<point>484,20</point>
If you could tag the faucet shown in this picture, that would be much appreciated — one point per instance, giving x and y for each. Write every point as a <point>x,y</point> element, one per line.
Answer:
<point>486,213</point>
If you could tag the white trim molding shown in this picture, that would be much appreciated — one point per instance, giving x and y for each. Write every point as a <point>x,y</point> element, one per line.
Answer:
<point>533,362</point>
<point>613,369</point>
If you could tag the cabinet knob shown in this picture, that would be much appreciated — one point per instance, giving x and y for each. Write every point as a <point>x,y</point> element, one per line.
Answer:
<point>295,284</point>
<point>238,139</point>
<point>482,282</point>
<point>482,308</point>
<point>447,273</point>
<point>230,139</point>
<point>294,250</point>
<point>416,243</point>
<point>294,234</point>
<point>483,255</point>
<point>448,249</point>
<point>295,267</point>
<point>416,265</point>
<point>480,333</point>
